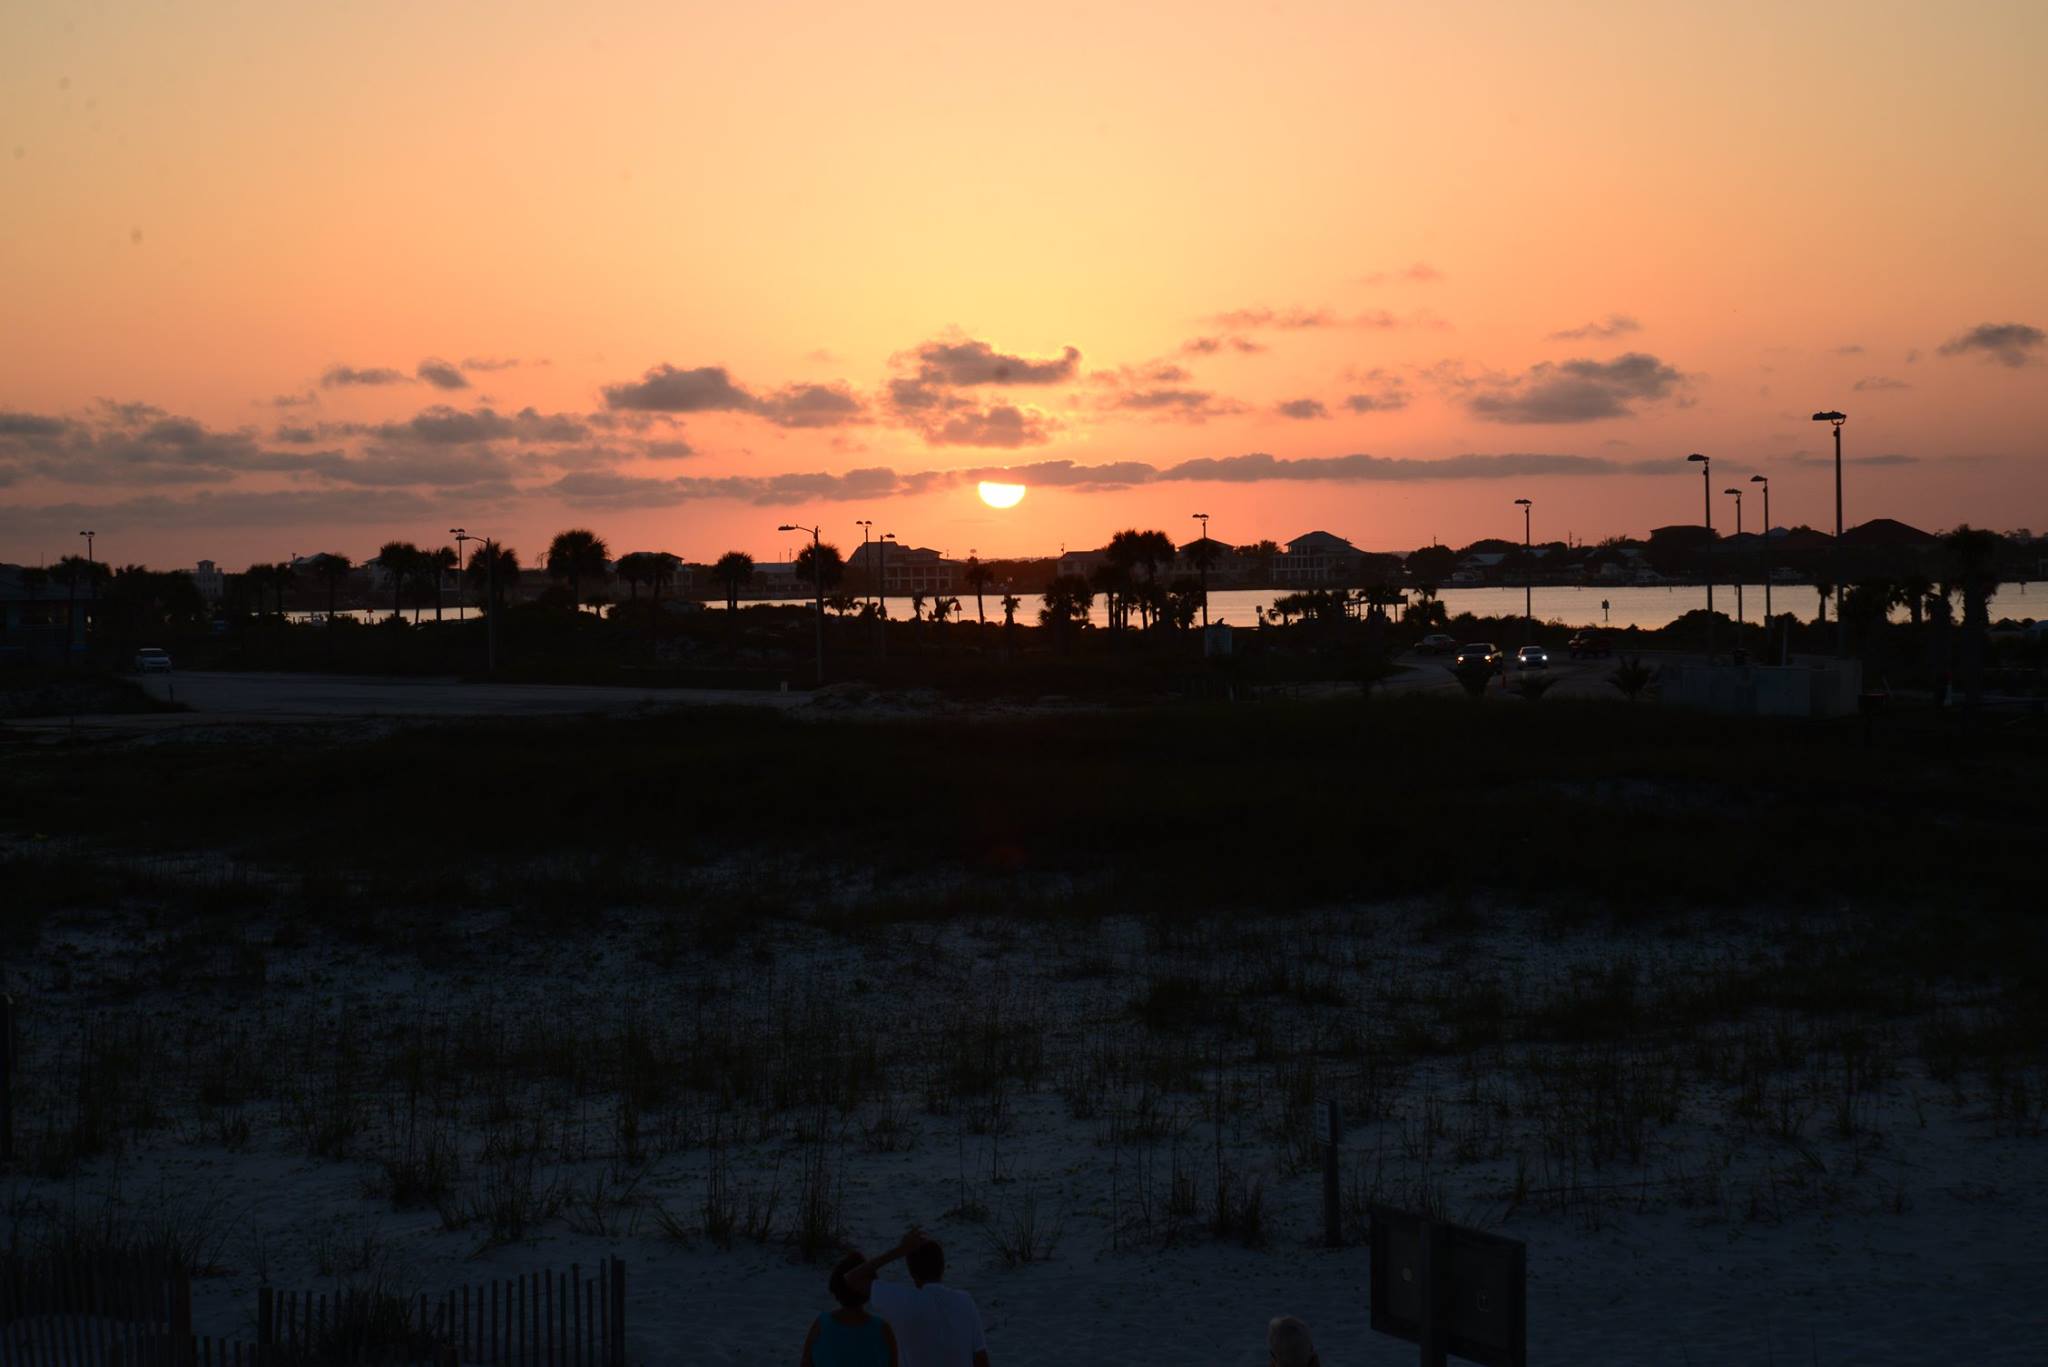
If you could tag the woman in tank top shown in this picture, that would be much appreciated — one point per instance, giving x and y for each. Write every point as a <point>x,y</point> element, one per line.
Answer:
<point>850,1336</point>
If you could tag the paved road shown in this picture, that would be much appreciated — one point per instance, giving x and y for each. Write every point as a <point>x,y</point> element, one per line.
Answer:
<point>278,696</point>
<point>1575,678</point>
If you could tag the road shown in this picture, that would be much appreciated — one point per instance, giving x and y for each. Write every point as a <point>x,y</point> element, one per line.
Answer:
<point>273,697</point>
<point>1575,678</point>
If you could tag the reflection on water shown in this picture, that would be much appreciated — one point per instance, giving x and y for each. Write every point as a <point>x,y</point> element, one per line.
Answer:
<point>1647,607</point>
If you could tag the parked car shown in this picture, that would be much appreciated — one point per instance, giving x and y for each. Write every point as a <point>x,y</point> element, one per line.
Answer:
<point>1588,645</point>
<point>1436,643</point>
<point>1478,653</point>
<point>150,660</point>
<point>1532,657</point>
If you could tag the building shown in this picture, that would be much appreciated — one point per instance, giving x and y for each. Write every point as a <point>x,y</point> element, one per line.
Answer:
<point>1318,558</point>
<point>212,583</point>
<point>907,569</point>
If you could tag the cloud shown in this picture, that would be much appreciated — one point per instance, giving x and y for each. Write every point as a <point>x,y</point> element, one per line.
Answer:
<point>664,389</point>
<point>813,405</point>
<point>1302,409</point>
<point>2010,344</point>
<point>31,425</point>
<point>1169,403</point>
<point>216,509</point>
<point>997,425</point>
<point>1804,460</point>
<point>299,400</point>
<point>336,376</point>
<point>1616,325</point>
<point>609,490</point>
<point>1575,391</point>
<point>130,443</point>
<point>1852,349</point>
<point>1253,319</point>
<point>441,375</point>
<point>1209,346</point>
<point>1258,467</point>
<point>1386,401</point>
<point>1876,382</point>
<point>495,362</point>
<point>442,425</point>
<point>1421,273</point>
<point>953,365</point>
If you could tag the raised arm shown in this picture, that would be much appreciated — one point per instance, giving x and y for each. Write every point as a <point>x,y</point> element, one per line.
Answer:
<point>911,1239</point>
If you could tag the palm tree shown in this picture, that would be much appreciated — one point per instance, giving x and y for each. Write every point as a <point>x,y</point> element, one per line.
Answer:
<point>733,569</point>
<point>1068,600</point>
<point>331,568</point>
<point>1972,554</point>
<point>575,555</point>
<point>978,577</point>
<point>71,571</point>
<point>820,565</point>
<point>440,562</point>
<point>491,571</point>
<point>633,570</point>
<point>1823,590</point>
<point>399,560</point>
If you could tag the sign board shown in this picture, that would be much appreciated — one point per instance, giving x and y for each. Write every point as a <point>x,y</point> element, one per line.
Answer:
<point>1449,1288</point>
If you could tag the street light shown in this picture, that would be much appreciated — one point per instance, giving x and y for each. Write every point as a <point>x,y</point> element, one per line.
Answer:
<point>1738,577</point>
<point>817,583</point>
<point>1203,565</point>
<point>1841,625</point>
<point>1707,503</point>
<point>461,534</point>
<point>1528,571</point>
<point>864,523</point>
<point>1765,480</point>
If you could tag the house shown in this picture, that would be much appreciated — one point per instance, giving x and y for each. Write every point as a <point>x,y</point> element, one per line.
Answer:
<point>903,570</point>
<point>1317,558</point>
<point>210,580</point>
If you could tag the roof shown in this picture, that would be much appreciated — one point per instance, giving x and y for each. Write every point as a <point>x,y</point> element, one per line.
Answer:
<point>1318,541</point>
<point>1885,531</point>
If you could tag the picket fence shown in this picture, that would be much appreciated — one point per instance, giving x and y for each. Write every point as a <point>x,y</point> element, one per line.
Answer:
<point>130,1311</point>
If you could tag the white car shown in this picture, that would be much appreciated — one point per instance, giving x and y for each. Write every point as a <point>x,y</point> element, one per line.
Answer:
<point>1532,657</point>
<point>150,660</point>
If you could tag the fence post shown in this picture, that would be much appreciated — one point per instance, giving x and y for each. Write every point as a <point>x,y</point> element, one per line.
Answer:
<point>1333,1215</point>
<point>266,1323</point>
<point>615,1335</point>
<point>6,1079</point>
<point>181,1318</point>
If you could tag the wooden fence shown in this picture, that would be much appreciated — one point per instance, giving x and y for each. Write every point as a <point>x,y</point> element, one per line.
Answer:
<point>127,1311</point>
<point>533,1319</point>
<point>92,1309</point>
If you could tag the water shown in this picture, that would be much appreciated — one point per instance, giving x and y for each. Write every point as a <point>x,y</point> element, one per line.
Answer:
<point>1645,606</point>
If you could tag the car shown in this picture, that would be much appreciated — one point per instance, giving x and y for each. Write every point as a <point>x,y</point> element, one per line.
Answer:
<point>1532,657</point>
<point>1476,653</point>
<point>1587,645</point>
<point>150,660</point>
<point>1436,643</point>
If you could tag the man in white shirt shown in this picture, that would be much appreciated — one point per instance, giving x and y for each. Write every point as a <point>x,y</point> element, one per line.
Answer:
<point>935,1326</point>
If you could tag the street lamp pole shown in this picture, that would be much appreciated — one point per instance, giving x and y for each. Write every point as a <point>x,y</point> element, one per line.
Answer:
<point>1766,482</point>
<point>1203,565</point>
<point>1841,623</point>
<point>1528,576</point>
<point>864,523</point>
<point>1738,573</point>
<point>817,583</point>
<point>1707,503</point>
<point>461,534</point>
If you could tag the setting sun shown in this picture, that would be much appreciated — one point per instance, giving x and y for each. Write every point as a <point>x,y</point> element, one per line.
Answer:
<point>1001,495</point>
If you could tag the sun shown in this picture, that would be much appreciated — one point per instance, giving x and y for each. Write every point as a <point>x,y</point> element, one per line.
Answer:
<point>1001,495</point>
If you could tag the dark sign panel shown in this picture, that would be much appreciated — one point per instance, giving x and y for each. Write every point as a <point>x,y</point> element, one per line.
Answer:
<point>1449,1288</point>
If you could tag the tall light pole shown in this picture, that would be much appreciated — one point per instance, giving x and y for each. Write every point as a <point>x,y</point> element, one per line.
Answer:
<point>1841,623</point>
<point>1765,480</point>
<point>1203,565</point>
<point>882,570</point>
<point>1528,575</point>
<point>92,581</point>
<point>817,583</point>
<point>864,523</point>
<point>461,534</point>
<point>1707,505</point>
<point>1738,576</point>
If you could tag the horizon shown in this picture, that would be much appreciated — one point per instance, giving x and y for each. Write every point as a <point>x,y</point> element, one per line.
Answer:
<point>436,298</point>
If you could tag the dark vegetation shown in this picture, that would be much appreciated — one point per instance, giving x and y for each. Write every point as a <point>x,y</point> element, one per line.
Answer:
<point>1263,806</point>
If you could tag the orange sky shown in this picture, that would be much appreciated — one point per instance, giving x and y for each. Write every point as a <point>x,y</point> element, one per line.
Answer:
<point>1377,269</point>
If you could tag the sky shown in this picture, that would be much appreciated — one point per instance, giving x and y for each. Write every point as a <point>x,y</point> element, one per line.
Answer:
<point>281,279</point>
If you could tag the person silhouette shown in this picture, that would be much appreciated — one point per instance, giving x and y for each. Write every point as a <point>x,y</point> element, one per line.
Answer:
<point>935,1325</point>
<point>849,1336</point>
<point>1288,1344</point>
